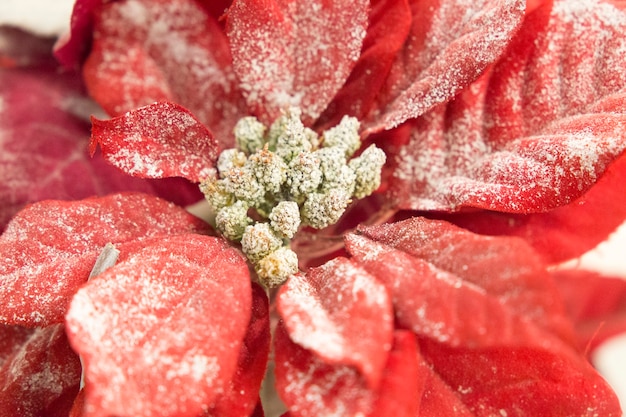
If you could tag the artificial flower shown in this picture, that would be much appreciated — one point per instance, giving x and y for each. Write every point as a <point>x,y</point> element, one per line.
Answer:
<point>503,127</point>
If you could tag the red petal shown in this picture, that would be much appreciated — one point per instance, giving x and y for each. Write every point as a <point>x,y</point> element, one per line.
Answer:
<point>44,145</point>
<point>380,47</point>
<point>596,304</point>
<point>439,399</point>
<point>41,376</point>
<point>79,404</point>
<point>160,333</point>
<point>151,50</point>
<point>402,380</point>
<point>449,46</point>
<point>50,247</point>
<point>567,231</point>
<point>496,290</point>
<point>495,348</point>
<point>71,49</point>
<point>310,386</point>
<point>536,132</point>
<point>291,53</point>
<point>157,141</point>
<point>243,392</point>
<point>11,338</point>
<point>518,381</point>
<point>342,314</point>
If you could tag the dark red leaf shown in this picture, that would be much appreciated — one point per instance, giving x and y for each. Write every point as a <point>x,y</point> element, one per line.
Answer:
<point>389,24</point>
<point>242,395</point>
<point>310,386</point>
<point>11,338</point>
<point>150,50</point>
<point>72,48</point>
<point>290,53</point>
<point>50,248</point>
<point>520,381</point>
<point>79,404</point>
<point>534,133</point>
<point>215,8</point>
<point>496,290</point>
<point>595,303</point>
<point>22,49</point>
<point>160,332</point>
<point>342,314</point>
<point>41,376</point>
<point>157,141</point>
<point>43,145</point>
<point>450,44</point>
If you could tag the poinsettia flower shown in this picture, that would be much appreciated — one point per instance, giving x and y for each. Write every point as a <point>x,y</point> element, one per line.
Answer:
<point>445,160</point>
<point>477,107</point>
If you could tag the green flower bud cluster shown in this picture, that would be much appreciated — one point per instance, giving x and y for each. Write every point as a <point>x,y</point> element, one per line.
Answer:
<point>286,177</point>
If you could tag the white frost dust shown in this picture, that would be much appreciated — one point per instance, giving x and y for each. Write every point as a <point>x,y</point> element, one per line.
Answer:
<point>134,163</point>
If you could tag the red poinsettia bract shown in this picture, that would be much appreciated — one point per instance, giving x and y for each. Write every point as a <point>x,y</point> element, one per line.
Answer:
<point>504,118</point>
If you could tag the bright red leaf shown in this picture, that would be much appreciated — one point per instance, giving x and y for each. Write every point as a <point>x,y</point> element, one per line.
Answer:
<point>290,53</point>
<point>310,386</point>
<point>149,50</point>
<point>595,303</point>
<point>50,248</point>
<point>521,381</point>
<point>489,321</point>
<point>242,395</point>
<point>44,137</point>
<point>468,316</point>
<point>342,314</point>
<point>41,375</point>
<point>496,290</point>
<point>534,133</point>
<point>402,379</point>
<point>389,24</point>
<point>157,141</point>
<point>160,332</point>
<point>450,44</point>
<point>438,399</point>
<point>567,231</point>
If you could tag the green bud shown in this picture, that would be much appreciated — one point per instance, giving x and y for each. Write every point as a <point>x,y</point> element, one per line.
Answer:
<point>229,159</point>
<point>232,221</point>
<point>259,240</point>
<point>344,136</point>
<point>249,135</point>
<point>285,218</point>
<point>323,209</point>
<point>368,167</point>
<point>275,268</point>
